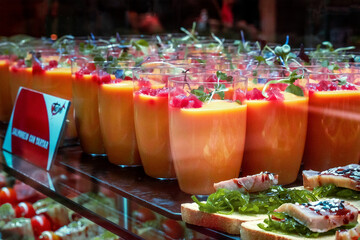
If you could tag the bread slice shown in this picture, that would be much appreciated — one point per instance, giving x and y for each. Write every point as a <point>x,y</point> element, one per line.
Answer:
<point>251,231</point>
<point>226,223</point>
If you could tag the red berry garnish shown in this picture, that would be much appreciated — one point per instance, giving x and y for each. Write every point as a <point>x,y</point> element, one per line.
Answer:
<point>162,92</point>
<point>274,94</point>
<point>254,94</point>
<point>102,78</point>
<point>53,64</point>
<point>37,68</point>
<point>348,86</point>
<point>183,101</point>
<point>91,67</point>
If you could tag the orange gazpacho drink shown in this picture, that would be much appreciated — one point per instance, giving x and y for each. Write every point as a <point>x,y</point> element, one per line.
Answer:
<point>85,98</point>
<point>116,111</point>
<point>333,135</point>
<point>20,76</point>
<point>5,96</point>
<point>57,81</point>
<point>206,137</point>
<point>152,126</point>
<point>275,135</point>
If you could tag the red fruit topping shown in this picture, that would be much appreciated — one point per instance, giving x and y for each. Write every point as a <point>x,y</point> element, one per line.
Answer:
<point>102,78</point>
<point>127,78</point>
<point>144,90</point>
<point>53,64</point>
<point>281,86</point>
<point>240,95</point>
<point>37,68</point>
<point>254,94</point>
<point>348,86</point>
<point>183,101</point>
<point>85,70</point>
<point>143,83</point>
<point>212,78</point>
<point>328,86</point>
<point>275,94</point>
<point>160,92</point>
<point>91,67</point>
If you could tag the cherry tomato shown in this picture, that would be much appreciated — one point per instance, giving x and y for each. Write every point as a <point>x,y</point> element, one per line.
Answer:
<point>40,223</point>
<point>172,229</point>
<point>24,209</point>
<point>7,195</point>
<point>49,235</point>
<point>143,215</point>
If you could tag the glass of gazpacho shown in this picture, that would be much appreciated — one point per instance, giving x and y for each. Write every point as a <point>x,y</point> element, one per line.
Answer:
<point>5,97</point>
<point>85,99</point>
<point>20,76</point>
<point>277,108</point>
<point>333,133</point>
<point>207,128</point>
<point>116,115</point>
<point>52,75</point>
<point>152,121</point>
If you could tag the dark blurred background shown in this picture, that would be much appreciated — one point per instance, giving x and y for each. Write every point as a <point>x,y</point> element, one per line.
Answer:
<point>306,21</point>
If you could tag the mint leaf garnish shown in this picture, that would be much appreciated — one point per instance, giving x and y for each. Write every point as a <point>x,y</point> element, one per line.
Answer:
<point>206,94</point>
<point>223,76</point>
<point>200,93</point>
<point>296,90</point>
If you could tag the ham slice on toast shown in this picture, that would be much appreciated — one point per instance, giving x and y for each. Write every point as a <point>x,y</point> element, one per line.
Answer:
<point>346,177</point>
<point>254,183</point>
<point>321,216</point>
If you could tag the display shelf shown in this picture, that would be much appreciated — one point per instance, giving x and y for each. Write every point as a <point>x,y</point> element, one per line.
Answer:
<point>74,175</point>
<point>162,196</point>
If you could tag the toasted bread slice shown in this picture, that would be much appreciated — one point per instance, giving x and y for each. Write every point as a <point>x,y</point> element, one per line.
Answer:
<point>251,231</point>
<point>226,223</point>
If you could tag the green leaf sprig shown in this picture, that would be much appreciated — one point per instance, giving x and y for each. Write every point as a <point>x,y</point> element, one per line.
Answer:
<point>287,224</point>
<point>205,94</point>
<point>292,88</point>
<point>190,36</point>
<point>327,47</point>
<point>333,191</point>
<point>219,41</point>
<point>64,44</point>
<point>141,45</point>
<point>7,48</point>
<point>226,201</point>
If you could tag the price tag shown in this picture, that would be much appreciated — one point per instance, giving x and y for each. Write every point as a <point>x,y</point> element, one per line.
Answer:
<point>36,126</point>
